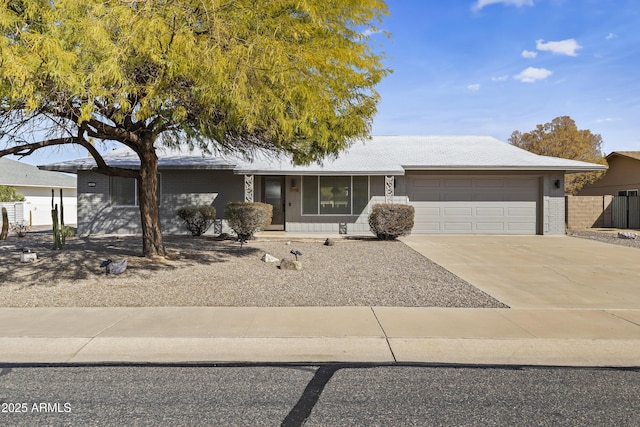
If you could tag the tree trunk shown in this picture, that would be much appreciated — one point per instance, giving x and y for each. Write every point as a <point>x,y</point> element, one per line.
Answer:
<point>148,198</point>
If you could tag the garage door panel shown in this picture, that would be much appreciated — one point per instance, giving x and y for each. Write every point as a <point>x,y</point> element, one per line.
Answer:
<point>465,211</point>
<point>496,211</point>
<point>426,211</point>
<point>427,226</point>
<point>521,227</point>
<point>525,211</point>
<point>475,205</point>
<point>486,227</point>
<point>452,227</point>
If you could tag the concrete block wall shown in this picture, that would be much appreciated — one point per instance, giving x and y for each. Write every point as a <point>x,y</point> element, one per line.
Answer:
<point>553,204</point>
<point>588,211</point>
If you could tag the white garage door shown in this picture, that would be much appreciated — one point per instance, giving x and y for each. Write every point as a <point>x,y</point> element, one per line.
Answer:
<point>474,205</point>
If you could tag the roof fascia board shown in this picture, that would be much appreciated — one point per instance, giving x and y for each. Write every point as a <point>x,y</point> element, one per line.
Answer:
<point>616,153</point>
<point>317,173</point>
<point>507,168</point>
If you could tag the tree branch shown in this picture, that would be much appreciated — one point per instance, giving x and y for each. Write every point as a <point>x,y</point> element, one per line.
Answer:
<point>27,149</point>
<point>102,167</point>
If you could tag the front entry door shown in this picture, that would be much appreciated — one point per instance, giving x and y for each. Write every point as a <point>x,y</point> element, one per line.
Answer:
<point>273,194</point>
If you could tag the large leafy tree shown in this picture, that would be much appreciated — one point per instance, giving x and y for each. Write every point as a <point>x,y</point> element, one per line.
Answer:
<point>9,194</point>
<point>283,76</point>
<point>562,138</point>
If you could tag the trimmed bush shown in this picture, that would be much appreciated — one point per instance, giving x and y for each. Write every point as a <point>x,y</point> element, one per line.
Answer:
<point>389,222</point>
<point>246,218</point>
<point>197,218</point>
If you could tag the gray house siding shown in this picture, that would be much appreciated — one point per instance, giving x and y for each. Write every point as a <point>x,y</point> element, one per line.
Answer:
<point>299,223</point>
<point>197,187</point>
<point>96,215</point>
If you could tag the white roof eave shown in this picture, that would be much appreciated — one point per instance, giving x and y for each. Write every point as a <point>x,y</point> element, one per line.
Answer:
<point>317,172</point>
<point>567,169</point>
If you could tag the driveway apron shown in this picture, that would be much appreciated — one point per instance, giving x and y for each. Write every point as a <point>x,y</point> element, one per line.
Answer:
<point>543,272</point>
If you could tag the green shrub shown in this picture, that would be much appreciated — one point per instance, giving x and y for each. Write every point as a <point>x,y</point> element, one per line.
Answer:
<point>246,218</point>
<point>197,218</point>
<point>389,221</point>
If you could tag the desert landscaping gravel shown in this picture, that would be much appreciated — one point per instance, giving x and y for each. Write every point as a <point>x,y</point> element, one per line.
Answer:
<point>207,272</point>
<point>607,235</point>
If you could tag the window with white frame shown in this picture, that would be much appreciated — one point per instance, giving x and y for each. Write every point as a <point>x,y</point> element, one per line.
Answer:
<point>334,195</point>
<point>628,193</point>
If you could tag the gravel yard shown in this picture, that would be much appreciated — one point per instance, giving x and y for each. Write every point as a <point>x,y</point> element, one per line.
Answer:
<point>607,235</point>
<point>207,272</point>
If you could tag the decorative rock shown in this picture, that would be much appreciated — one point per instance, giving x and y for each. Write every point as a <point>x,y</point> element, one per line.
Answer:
<point>269,258</point>
<point>28,257</point>
<point>627,235</point>
<point>115,267</point>
<point>289,264</point>
<point>329,242</point>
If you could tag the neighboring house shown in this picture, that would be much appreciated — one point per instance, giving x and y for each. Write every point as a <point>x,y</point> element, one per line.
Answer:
<point>622,177</point>
<point>36,186</point>
<point>457,184</point>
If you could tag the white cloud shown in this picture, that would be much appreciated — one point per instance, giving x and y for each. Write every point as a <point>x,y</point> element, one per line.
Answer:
<point>518,3</point>
<point>531,75</point>
<point>529,54</point>
<point>369,32</point>
<point>500,78</point>
<point>607,119</point>
<point>474,87</point>
<point>562,47</point>
<point>611,36</point>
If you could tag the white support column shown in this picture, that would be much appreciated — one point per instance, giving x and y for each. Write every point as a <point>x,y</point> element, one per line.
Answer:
<point>248,188</point>
<point>389,191</point>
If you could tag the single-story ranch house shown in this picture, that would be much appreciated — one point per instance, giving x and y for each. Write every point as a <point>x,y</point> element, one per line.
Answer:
<point>457,184</point>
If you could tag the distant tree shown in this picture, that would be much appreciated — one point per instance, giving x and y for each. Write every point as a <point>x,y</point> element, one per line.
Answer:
<point>9,194</point>
<point>562,138</point>
<point>239,76</point>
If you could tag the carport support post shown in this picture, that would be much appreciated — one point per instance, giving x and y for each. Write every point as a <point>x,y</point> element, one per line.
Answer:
<point>389,192</point>
<point>248,188</point>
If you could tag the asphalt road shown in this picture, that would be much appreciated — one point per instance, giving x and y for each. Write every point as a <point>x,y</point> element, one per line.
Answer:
<point>327,395</point>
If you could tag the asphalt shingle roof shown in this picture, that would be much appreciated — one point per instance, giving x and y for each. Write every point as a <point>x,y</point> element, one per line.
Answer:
<point>18,174</point>
<point>380,155</point>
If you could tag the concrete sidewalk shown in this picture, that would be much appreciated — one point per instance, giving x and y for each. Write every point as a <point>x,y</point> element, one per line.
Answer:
<point>562,337</point>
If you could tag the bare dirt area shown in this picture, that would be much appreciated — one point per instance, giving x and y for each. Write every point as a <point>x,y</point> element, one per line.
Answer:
<point>203,271</point>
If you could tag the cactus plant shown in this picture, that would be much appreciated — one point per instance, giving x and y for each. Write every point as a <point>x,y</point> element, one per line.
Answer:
<point>60,231</point>
<point>5,224</point>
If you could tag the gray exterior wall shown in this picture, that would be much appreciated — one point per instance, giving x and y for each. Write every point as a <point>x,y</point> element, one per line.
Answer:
<point>299,223</point>
<point>96,215</point>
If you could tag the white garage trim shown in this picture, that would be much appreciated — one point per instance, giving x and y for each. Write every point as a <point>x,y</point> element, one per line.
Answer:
<point>474,205</point>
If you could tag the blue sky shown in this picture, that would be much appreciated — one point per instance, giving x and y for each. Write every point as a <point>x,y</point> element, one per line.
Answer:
<point>489,67</point>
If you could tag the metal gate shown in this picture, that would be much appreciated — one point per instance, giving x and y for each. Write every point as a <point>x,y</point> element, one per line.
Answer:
<point>625,212</point>
<point>15,211</point>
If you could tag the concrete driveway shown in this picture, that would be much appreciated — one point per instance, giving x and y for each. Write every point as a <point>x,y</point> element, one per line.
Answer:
<point>540,271</point>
